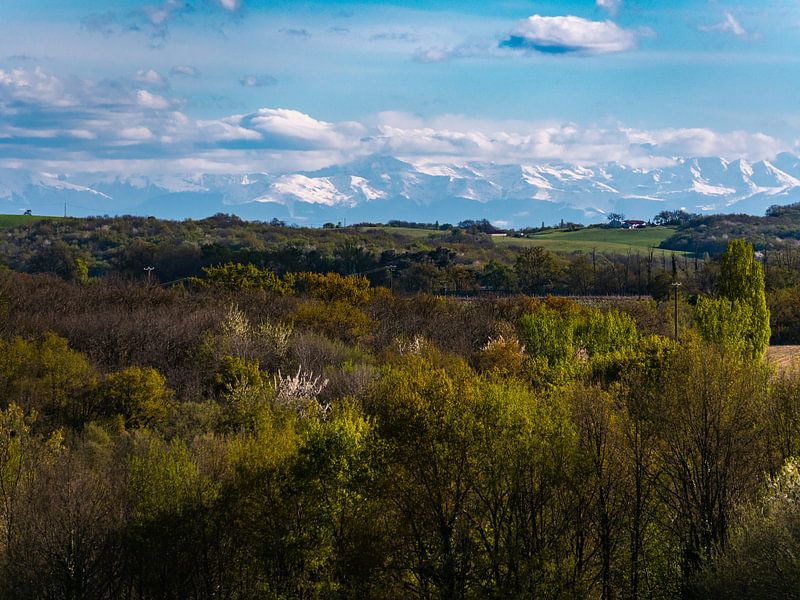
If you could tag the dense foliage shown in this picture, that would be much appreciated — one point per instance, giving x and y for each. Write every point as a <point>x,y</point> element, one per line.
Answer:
<point>253,434</point>
<point>740,315</point>
<point>776,231</point>
<point>459,260</point>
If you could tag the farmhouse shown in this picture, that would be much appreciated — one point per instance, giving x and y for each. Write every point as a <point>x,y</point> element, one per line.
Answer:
<point>634,224</point>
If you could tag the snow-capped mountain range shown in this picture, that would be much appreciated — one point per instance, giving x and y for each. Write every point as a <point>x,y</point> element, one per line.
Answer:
<point>380,188</point>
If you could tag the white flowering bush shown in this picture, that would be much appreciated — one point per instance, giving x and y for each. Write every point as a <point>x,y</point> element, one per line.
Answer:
<point>236,331</point>
<point>239,337</point>
<point>300,392</point>
<point>276,336</point>
<point>235,323</point>
<point>503,353</point>
<point>415,346</point>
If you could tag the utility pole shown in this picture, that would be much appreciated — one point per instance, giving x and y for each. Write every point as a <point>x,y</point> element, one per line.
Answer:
<point>676,285</point>
<point>149,273</point>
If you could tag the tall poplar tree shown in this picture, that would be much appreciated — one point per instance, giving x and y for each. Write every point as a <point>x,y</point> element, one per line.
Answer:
<point>742,280</point>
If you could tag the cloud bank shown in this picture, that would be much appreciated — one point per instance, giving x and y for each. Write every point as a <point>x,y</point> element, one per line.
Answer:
<point>79,125</point>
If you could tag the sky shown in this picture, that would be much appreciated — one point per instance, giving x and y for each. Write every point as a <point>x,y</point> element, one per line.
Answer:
<point>231,86</point>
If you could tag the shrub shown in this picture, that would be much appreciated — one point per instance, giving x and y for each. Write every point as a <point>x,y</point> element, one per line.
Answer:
<point>138,394</point>
<point>337,320</point>
<point>332,287</point>
<point>233,372</point>
<point>236,276</point>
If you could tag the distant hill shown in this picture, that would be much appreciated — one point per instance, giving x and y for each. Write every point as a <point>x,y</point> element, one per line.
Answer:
<point>779,228</point>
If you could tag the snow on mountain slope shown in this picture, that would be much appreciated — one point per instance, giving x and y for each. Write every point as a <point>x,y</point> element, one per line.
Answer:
<point>299,188</point>
<point>383,187</point>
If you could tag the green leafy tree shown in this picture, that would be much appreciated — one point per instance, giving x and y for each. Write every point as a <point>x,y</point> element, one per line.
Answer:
<point>498,276</point>
<point>785,416</point>
<point>234,372</point>
<point>428,416</point>
<point>725,323</point>
<point>536,269</point>
<point>47,376</point>
<point>62,259</point>
<point>170,535</point>
<point>340,544</point>
<point>236,276</point>
<point>16,471</point>
<point>138,394</point>
<point>600,332</point>
<point>712,418</point>
<point>567,340</point>
<point>332,287</point>
<point>742,280</point>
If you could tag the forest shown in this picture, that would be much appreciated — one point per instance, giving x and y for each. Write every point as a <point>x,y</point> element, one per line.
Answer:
<point>461,261</point>
<point>262,432</point>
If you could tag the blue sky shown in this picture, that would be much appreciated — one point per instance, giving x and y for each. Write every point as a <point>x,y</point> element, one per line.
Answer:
<point>237,85</point>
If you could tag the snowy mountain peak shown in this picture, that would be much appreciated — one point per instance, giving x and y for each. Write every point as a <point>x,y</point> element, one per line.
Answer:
<point>380,188</point>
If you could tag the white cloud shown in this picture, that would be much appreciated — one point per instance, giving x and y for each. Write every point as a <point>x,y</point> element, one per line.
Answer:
<point>227,130</point>
<point>136,133</point>
<point>231,5</point>
<point>185,71</point>
<point>729,24</point>
<point>150,77</point>
<point>292,129</point>
<point>159,15</point>
<point>706,142</point>
<point>561,35</point>
<point>34,86</point>
<point>83,134</point>
<point>154,101</point>
<point>609,5</point>
<point>454,138</point>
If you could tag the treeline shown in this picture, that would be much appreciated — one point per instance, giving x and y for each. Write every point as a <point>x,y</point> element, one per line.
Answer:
<point>459,261</point>
<point>777,230</point>
<point>253,435</point>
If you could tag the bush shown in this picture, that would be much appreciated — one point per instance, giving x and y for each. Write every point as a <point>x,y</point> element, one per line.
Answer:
<point>138,394</point>
<point>332,287</point>
<point>233,372</point>
<point>236,276</point>
<point>336,320</point>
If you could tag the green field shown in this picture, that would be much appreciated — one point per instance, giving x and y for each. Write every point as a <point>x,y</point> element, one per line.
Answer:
<point>601,240</point>
<point>7,221</point>
<point>408,231</point>
<point>618,241</point>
